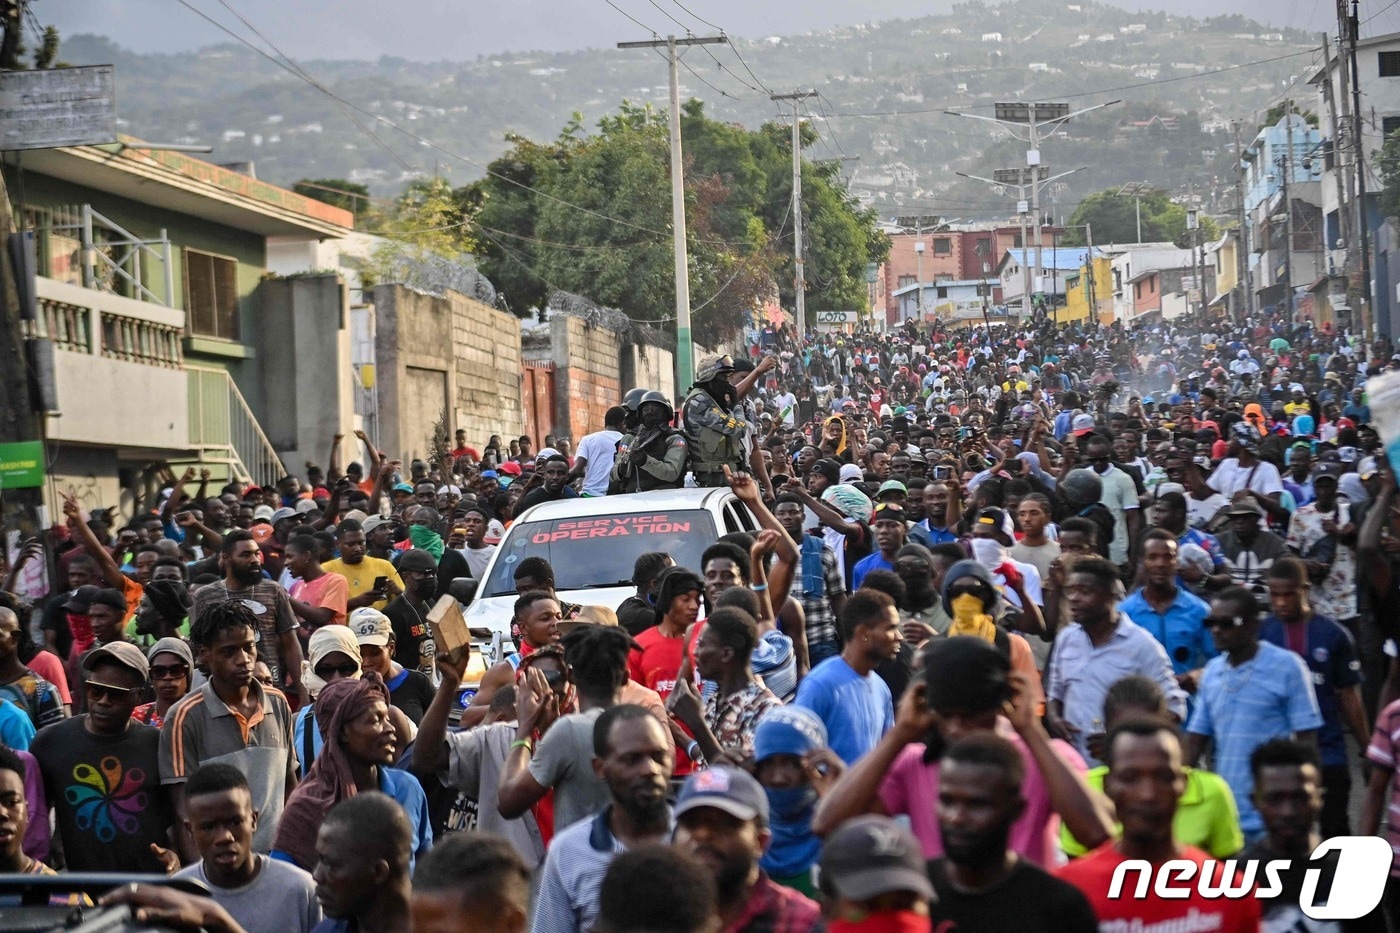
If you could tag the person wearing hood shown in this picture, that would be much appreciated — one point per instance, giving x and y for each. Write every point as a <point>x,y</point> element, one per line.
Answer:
<point>971,599</point>
<point>714,430</point>
<point>968,688</point>
<point>796,767</point>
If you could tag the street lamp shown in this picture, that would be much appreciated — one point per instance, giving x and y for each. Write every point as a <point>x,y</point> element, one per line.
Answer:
<point>1033,115</point>
<point>1033,178</point>
<point>919,294</point>
<point>1136,190</point>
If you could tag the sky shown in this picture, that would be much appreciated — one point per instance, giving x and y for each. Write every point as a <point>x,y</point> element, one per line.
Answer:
<point>460,30</point>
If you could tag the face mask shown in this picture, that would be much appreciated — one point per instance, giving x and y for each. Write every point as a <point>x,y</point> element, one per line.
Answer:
<point>791,803</point>
<point>889,921</point>
<point>967,610</point>
<point>988,552</point>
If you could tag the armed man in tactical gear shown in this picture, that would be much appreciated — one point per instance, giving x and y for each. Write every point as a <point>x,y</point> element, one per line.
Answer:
<point>654,456</point>
<point>713,424</point>
<point>632,402</point>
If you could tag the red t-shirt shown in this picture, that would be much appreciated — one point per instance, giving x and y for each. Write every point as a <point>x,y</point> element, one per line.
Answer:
<point>659,661</point>
<point>1093,875</point>
<point>656,666</point>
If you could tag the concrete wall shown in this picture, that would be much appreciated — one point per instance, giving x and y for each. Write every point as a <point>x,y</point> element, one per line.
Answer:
<point>587,374</point>
<point>433,351</point>
<point>304,345</point>
<point>649,367</point>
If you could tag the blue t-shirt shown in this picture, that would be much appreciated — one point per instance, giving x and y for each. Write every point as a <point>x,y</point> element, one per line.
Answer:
<point>1331,656</point>
<point>1241,708</point>
<point>857,710</point>
<point>863,566</point>
<point>16,729</point>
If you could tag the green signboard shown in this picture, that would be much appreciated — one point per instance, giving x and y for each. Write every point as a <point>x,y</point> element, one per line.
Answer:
<point>22,465</point>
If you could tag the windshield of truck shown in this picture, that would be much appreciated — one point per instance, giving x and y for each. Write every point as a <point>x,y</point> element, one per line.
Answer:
<point>599,551</point>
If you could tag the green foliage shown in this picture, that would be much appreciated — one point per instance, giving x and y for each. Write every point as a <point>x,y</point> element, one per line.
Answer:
<point>347,195</point>
<point>429,219</point>
<point>1388,164</point>
<point>1113,219</point>
<point>1277,111</point>
<point>616,249</point>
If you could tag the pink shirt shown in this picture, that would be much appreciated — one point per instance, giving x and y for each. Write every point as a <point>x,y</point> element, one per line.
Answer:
<point>911,788</point>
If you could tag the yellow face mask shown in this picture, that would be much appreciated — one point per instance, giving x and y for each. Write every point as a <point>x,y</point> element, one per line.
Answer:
<point>969,618</point>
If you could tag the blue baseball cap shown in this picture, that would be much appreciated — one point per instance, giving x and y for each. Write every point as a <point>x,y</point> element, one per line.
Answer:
<point>726,789</point>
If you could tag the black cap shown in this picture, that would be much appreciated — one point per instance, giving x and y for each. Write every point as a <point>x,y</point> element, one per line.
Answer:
<point>81,599</point>
<point>417,560</point>
<point>873,855</point>
<point>966,673</point>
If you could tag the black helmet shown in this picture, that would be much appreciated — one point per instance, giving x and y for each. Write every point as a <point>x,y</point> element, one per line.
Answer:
<point>633,399</point>
<point>1081,487</point>
<point>660,399</point>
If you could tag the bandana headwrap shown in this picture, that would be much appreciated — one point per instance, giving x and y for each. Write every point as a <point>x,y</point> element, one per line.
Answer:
<point>425,539</point>
<point>331,778</point>
<point>850,500</point>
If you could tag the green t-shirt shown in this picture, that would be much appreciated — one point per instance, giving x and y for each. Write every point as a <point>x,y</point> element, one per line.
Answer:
<point>144,642</point>
<point>1206,816</point>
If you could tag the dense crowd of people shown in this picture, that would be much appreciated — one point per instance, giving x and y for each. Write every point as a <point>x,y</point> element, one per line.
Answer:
<point>1026,606</point>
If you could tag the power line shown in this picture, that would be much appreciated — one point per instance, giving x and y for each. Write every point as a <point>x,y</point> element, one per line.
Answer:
<point>630,16</point>
<point>735,49</point>
<point>379,118</point>
<point>694,15</point>
<point>940,108</point>
<point>669,16</point>
<point>699,77</point>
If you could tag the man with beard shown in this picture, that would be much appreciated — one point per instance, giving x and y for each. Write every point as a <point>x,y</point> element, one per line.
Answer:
<point>554,483</point>
<point>372,580</point>
<point>633,758</point>
<point>654,456</point>
<point>981,882</point>
<point>714,431</point>
<point>269,604</point>
<point>722,821</point>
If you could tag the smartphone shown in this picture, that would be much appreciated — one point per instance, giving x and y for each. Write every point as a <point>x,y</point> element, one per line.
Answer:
<point>942,472</point>
<point>380,583</point>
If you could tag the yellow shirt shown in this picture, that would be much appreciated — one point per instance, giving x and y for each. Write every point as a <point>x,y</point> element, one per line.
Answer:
<point>1206,816</point>
<point>360,577</point>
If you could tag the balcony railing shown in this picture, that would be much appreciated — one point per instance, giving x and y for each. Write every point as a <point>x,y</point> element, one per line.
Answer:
<point>84,320</point>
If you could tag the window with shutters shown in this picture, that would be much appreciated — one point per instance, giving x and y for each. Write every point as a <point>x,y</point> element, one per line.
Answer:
<point>211,295</point>
<point>942,246</point>
<point>1389,64</point>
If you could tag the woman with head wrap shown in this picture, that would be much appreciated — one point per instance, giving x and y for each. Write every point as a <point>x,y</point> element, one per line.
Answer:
<point>333,654</point>
<point>352,716</point>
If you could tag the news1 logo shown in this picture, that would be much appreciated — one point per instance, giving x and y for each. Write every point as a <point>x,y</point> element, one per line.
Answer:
<point>1363,866</point>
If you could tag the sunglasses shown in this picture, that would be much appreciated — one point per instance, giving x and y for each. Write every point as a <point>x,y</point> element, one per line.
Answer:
<point>348,669</point>
<point>172,671</point>
<point>1223,621</point>
<point>98,691</point>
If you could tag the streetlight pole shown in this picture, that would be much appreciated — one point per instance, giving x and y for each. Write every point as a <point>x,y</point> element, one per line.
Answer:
<point>1033,116</point>
<point>919,274</point>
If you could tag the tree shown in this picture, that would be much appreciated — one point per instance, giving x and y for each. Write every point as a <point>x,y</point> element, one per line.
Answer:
<point>590,213</point>
<point>1388,164</point>
<point>1113,219</point>
<point>348,195</point>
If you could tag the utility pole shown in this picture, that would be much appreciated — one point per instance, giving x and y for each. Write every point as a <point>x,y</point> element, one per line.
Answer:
<point>1089,267</point>
<point>1244,307</point>
<point>1288,212</point>
<point>799,267</point>
<point>1359,160</point>
<point>685,348</point>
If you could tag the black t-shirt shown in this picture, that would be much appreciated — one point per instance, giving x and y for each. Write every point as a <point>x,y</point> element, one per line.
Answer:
<point>450,566</point>
<point>1028,901</point>
<point>411,692</point>
<point>106,794</point>
<point>56,620</point>
<point>412,639</point>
